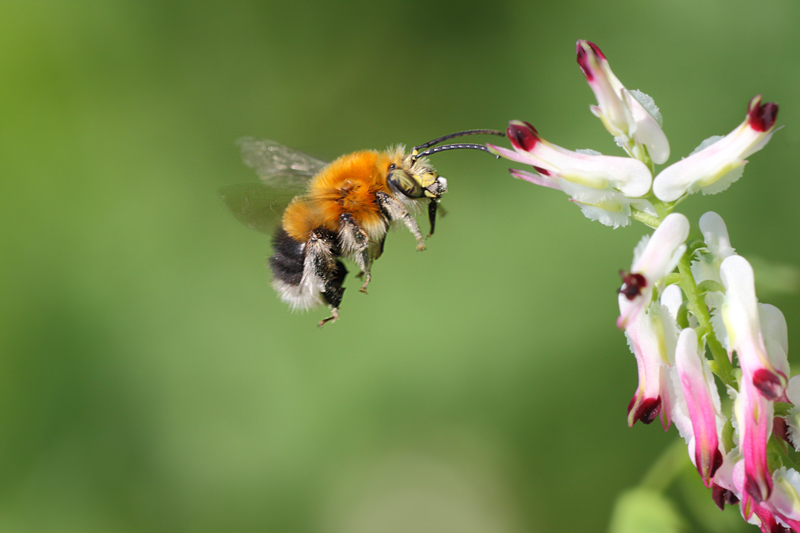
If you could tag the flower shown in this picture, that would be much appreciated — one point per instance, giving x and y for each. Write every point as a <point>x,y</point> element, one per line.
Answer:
<point>600,172</point>
<point>718,162</point>
<point>654,257</point>
<point>622,113</point>
<point>645,339</point>
<point>644,324</point>
<point>604,187</point>
<point>740,313</point>
<point>754,415</point>
<point>702,401</point>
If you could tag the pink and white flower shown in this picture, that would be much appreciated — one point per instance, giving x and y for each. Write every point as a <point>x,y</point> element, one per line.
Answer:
<point>718,162</point>
<point>702,402</point>
<point>631,117</point>
<point>604,187</point>
<point>740,314</point>
<point>754,414</point>
<point>553,163</point>
<point>644,324</point>
<point>645,334</point>
<point>654,257</point>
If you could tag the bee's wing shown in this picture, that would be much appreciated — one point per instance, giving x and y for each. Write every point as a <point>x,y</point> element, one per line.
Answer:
<point>278,165</point>
<point>285,172</point>
<point>255,205</point>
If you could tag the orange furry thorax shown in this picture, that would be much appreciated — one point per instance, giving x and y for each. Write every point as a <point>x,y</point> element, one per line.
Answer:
<point>347,185</point>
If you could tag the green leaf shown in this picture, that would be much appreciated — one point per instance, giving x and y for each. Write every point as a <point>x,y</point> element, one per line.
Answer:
<point>643,510</point>
<point>782,408</point>
<point>710,286</point>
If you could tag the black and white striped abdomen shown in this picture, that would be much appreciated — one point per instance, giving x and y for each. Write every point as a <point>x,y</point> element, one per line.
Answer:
<point>307,274</point>
<point>287,264</point>
<point>287,258</point>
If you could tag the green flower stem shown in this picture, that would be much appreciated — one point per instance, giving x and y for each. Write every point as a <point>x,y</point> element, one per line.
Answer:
<point>644,218</point>
<point>721,365</point>
<point>695,303</point>
<point>667,467</point>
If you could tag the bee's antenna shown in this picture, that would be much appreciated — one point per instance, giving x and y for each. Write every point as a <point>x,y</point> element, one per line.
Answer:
<point>459,134</point>
<point>437,149</point>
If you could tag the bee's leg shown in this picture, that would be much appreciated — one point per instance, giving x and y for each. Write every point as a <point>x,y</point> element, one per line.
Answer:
<point>379,250</point>
<point>354,239</point>
<point>322,264</point>
<point>395,210</point>
<point>333,318</point>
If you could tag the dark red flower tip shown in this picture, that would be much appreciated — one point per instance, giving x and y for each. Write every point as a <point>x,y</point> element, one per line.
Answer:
<point>632,284</point>
<point>596,49</point>
<point>647,411</point>
<point>583,62</point>
<point>753,489</point>
<point>716,462</point>
<point>542,171</point>
<point>769,383</point>
<point>583,57</point>
<point>761,117</point>
<point>522,135</point>
<point>718,495</point>
<point>722,496</point>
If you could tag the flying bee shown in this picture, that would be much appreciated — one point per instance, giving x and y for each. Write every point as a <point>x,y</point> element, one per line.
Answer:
<point>341,209</point>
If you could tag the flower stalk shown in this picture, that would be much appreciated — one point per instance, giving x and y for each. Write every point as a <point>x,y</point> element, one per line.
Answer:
<point>721,365</point>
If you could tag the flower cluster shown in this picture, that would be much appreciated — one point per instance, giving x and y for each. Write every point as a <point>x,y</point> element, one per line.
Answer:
<point>682,300</point>
<point>669,334</point>
<point>611,189</point>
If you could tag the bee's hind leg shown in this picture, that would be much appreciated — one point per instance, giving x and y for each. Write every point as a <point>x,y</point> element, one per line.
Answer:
<point>333,318</point>
<point>354,239</point>
<point>322,263</point>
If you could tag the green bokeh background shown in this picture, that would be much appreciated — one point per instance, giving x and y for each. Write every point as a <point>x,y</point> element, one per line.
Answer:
<point>150,379</point>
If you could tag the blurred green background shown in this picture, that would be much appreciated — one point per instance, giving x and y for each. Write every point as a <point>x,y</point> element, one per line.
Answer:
<point>151,380</point>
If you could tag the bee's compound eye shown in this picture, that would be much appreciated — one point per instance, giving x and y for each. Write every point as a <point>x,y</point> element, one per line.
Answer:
<point>399,180</point>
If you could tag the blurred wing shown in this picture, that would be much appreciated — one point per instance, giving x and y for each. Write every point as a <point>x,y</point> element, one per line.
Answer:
<point>255,205</point>
<point>278,165</point>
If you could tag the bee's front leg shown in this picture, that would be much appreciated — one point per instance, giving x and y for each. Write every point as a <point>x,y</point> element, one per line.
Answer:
<point>395,210</point>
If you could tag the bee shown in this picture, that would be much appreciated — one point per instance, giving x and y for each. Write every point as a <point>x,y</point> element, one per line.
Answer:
<point>336,210</point>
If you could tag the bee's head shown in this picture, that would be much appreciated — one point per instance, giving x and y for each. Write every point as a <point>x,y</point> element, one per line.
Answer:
<point>415,178</point>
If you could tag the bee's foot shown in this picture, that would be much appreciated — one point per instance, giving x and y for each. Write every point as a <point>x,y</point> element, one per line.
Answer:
<point>367,277</point>
<point>334,316</point>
